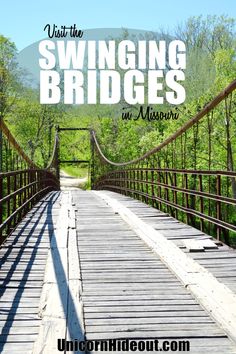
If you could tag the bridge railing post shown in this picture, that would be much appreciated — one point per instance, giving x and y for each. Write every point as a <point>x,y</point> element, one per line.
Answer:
<point>147,184</point>
<point>92,166</point>
<point>201,202</point>
<point>14,199</point>
<point>1,206</point>
<point>57,154</point>
<point>20,195</point>
<point>8,208</point>
<point>186,196</point>
<point>175,196</point>
<point>218,205</point>
<point>1,179</point>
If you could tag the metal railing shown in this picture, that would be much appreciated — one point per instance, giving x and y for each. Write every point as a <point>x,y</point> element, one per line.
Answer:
<point>22,183</point>
<point>172,177</point>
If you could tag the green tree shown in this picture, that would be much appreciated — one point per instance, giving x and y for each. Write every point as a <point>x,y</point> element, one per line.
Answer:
<point>210,33</point>
<point>9,75</point>
<point>33,124</point>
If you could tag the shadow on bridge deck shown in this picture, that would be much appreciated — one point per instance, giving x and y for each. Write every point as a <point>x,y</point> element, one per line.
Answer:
<point>23,257</point>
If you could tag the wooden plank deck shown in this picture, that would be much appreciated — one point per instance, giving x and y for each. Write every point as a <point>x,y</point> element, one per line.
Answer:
<point>112,284</point>
<point>127,290</point>
<point>221,262</point>
<point>22,260</point>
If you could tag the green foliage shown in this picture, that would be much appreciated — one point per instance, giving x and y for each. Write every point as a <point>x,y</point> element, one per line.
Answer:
<point>33,125</point>
<point>9,75</point>
<point>75,171</point>
<point>210,34</point>
<point>211,66</point>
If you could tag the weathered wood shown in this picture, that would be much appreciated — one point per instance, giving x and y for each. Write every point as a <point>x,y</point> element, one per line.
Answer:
<point>154,334</point>
<point>23,259</point>
<point>52,328</point>
<point>209,244</point>
<point>198,280</point>
<point>186,327</point>
<point>193,246</point>
<point>17,324</point>
<point>25,347</point>
<point>61,305</point>
<point>54,298</point>
<point>75,320</point>
<point>148,320</point>
<point>127,290</point>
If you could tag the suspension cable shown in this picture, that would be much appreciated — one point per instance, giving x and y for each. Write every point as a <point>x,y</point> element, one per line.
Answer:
<point>208,107</point>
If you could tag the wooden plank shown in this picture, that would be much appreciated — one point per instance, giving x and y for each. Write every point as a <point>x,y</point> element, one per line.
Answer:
<point>54,298</point>
<point>154,334</point>
<point>196,313</point>
<point>196,245</point>
<point>149,328</point>
<point>193,245</point>
<point>51,329</point>
<point>25,347</point>
<point>16,316</point>
<point>208,244</point>
<point>143,303</point>
<point>133,308</point>
<point>75,320</point>
<point>137,297</point>
<point>16,303</point>
<point>56,271</point>
<point>130,292</point>
<point>20,324</point>
<point>149,320</point>
<point>61,305</point>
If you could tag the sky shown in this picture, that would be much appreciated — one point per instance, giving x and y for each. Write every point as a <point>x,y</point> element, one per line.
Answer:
<point>23,20</point>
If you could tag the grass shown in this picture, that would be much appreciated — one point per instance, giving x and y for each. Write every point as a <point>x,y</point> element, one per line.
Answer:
<point>78,172</point>
<point>75,171</point>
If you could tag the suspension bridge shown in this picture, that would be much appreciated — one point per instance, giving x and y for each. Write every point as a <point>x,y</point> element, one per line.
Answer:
<point>143,255</point>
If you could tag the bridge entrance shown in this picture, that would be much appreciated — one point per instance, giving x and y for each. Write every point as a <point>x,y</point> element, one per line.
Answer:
<point>75,151</point>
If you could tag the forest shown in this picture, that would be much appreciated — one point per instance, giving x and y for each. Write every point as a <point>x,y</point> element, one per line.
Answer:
<point>127,131</point>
